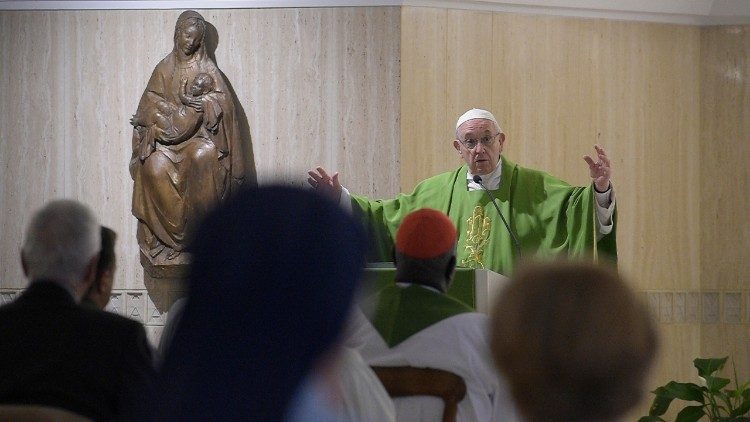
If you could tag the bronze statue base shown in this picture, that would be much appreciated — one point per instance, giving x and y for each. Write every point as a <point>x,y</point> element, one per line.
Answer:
<point>164,281</point>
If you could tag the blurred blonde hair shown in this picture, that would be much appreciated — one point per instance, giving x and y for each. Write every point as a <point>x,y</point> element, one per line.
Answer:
<point>573,341</point>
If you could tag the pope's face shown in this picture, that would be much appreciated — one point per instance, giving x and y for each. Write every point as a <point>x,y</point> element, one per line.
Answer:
<point>189,39</point>
<point>483,158</point>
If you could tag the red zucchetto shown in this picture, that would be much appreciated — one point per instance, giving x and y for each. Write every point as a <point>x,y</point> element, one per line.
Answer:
<point>425,233</point>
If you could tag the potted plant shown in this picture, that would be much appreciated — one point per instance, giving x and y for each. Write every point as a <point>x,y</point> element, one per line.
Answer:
<point>711,399</point>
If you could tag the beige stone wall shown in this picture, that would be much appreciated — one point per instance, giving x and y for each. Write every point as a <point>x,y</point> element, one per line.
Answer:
<point>724,155</point>
<point>318,86</point>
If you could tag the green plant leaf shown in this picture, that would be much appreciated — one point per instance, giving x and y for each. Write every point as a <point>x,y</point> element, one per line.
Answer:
<point>681,390</point>
<point>690,414</point>
<point>742,409</point>
<point>706,367</point>
<point>674,390</point>
<point>715,384</point>
<point>651,419</point>
<point>660,404</point>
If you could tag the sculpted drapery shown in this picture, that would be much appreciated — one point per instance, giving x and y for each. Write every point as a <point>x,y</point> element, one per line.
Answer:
<point>187,148</point>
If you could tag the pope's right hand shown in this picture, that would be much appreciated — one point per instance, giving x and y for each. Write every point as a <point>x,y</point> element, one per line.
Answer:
<point>324,184</point>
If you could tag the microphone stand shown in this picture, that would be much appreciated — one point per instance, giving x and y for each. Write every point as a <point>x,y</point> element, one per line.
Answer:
<point>516,243</point>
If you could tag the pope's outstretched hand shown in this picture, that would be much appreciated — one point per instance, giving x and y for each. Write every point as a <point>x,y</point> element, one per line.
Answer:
<point>325,184</point>
<point>600,170</point>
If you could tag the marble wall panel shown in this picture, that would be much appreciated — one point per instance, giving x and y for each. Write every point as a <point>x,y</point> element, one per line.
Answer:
<point>319,86</point>
<point>725,152</point>
<point>423,94</point>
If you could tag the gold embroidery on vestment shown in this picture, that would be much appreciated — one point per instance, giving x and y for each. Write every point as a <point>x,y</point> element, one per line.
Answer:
<point>477,237</point>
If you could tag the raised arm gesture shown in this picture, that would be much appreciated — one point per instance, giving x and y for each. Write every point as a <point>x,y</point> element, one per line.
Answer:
<point>325,184</point>
<point>600,170</point>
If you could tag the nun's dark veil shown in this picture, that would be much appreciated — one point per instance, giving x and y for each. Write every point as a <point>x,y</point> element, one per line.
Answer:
<point>272,281</point>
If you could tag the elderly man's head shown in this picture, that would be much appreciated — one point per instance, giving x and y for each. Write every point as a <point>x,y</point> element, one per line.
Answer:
<point>426,249</point>
<point>479,141</point>
<point>573,341</point>
<point>62,245</point>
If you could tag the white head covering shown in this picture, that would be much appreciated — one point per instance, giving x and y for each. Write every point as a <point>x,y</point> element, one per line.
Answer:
<point>477,113</point>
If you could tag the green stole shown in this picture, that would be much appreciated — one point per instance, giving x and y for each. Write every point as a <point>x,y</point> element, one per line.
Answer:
<point>400,312</point>
<point>549,216</point>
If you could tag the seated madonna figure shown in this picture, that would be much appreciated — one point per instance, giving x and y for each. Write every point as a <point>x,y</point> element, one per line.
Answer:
<point>187,151</point>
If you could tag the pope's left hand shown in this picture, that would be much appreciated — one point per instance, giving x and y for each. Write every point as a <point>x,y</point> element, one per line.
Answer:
<point>600,170</point>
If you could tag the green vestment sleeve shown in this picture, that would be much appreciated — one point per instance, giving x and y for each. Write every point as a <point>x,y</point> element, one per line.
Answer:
<point>549,216</point>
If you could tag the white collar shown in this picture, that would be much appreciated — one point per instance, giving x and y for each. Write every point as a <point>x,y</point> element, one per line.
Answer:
<point>491,181</point>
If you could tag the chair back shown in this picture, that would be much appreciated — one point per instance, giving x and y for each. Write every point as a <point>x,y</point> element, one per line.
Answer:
<point>36,413</point>
<point>401,381</point>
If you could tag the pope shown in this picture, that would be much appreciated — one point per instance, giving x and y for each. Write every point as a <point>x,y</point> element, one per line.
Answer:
<point>546,215</point>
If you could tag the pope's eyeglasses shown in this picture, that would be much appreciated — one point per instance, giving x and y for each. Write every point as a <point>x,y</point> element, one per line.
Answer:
<point>486,141</point>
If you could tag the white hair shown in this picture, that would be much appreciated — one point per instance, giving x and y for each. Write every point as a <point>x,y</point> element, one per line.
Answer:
<point>61,239</point>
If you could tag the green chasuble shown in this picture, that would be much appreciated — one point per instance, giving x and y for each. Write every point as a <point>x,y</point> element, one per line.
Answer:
<point>549,216</point>
<point>400,312</point>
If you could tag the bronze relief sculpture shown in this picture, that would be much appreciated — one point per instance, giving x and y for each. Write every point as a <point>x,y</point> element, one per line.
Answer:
<point>187,149</point>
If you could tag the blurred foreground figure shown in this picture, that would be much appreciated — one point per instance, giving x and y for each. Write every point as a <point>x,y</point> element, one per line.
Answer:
<point>272,281</point>
<point>573,342</point>
<point>54,352</point>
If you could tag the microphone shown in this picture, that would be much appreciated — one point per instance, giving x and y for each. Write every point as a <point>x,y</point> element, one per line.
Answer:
<point>516,243</point>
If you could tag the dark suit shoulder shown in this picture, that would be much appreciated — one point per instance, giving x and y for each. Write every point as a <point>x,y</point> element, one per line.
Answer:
<point>116,329</point>
<point>60,354</point>
<point>109,318</point>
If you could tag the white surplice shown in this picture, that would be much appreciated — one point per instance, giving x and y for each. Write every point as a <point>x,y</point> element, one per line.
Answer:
<point>458,344</point>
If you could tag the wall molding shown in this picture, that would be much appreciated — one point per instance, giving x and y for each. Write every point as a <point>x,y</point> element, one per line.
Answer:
<point>705,307</point>
<point>696,12</point>
<point>137,304</point>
